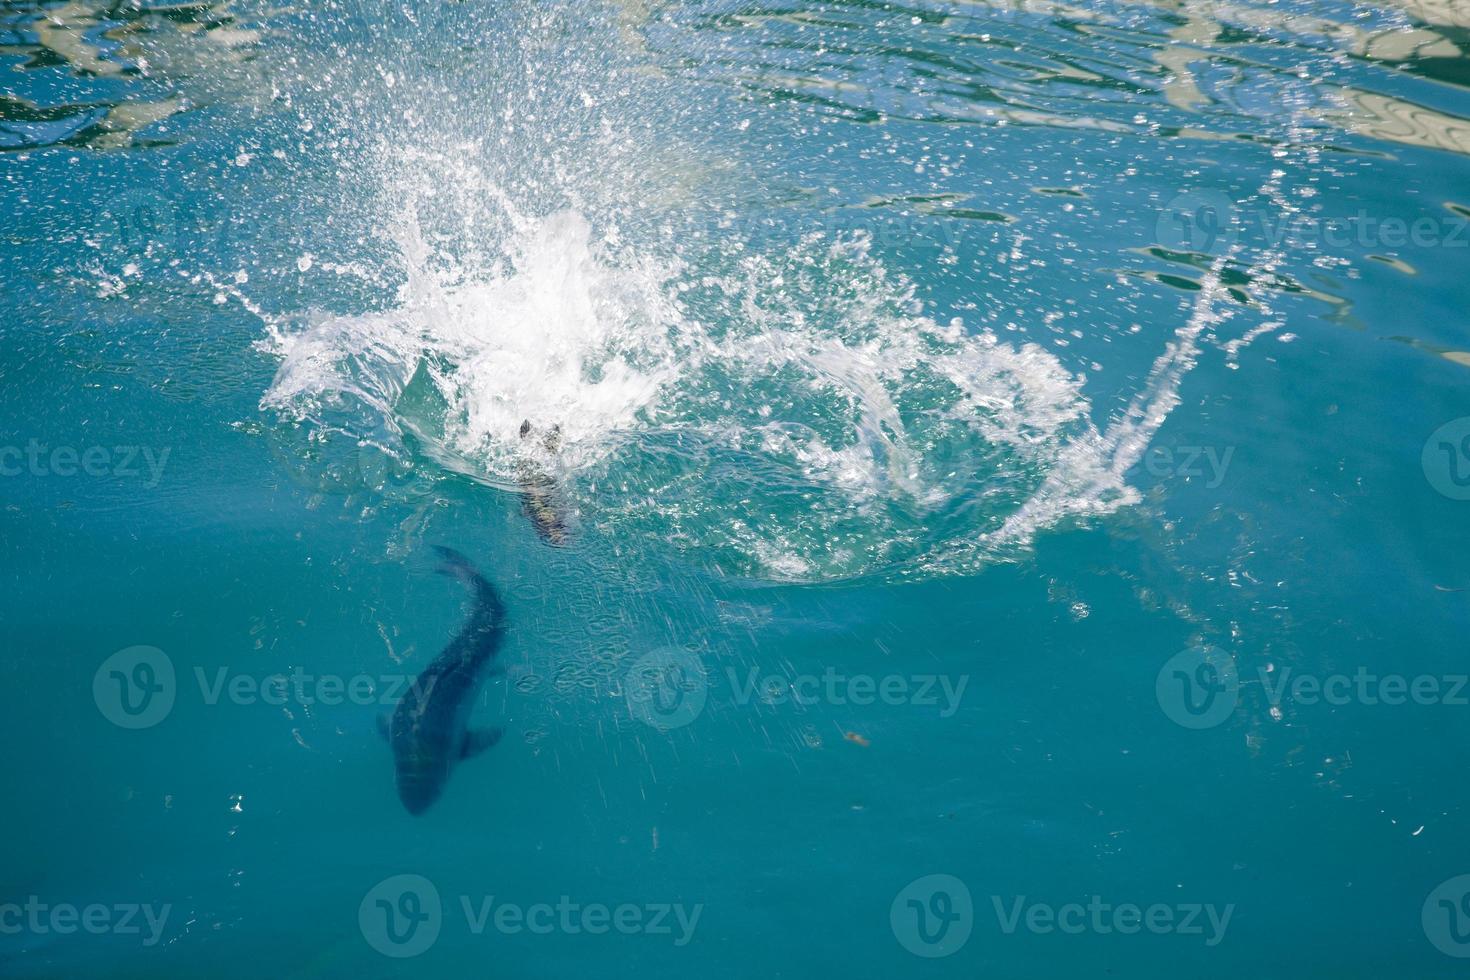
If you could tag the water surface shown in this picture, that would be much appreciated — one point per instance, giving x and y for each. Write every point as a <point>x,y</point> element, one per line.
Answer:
<point>1021,442</point>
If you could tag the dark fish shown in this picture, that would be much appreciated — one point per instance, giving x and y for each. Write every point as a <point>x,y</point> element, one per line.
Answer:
<point>429,730</point>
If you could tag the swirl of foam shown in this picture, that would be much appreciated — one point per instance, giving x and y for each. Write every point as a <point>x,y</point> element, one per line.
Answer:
<point>785,415</point>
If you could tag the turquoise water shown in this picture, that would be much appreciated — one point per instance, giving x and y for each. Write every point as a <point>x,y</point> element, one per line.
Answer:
<point>994,502</point>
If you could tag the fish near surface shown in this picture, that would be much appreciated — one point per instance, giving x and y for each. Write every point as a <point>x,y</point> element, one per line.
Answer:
<point>540,498</point>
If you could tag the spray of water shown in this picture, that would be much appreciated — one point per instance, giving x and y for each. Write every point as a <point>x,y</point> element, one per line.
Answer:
<point>782,410</point>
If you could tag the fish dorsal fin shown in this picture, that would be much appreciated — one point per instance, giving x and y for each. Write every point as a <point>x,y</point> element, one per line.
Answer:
<point>477,740</point>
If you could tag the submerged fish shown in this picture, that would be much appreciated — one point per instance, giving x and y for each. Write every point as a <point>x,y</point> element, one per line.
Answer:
<point>429,731</point>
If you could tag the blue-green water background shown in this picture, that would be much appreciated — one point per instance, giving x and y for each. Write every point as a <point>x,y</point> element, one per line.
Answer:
<point>1324,546</point>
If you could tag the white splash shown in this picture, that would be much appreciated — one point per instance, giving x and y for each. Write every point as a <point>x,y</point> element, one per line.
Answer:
<point>561,334</point>
<point>1090,477</point>
<point>789,415</point>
